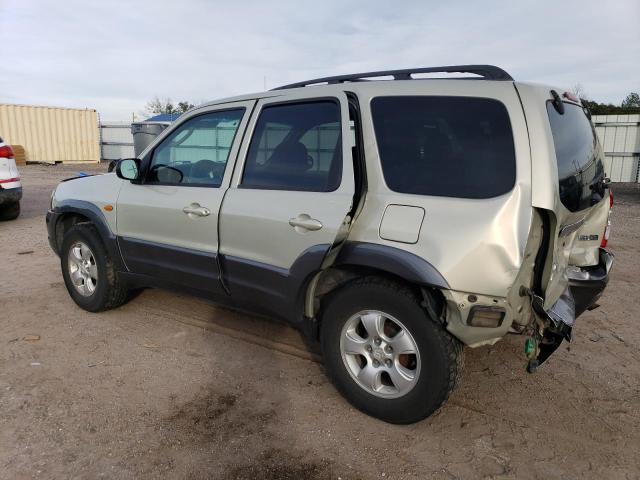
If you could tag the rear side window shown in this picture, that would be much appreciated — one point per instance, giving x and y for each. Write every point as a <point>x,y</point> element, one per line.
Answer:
<point>296,146</point>
<point>580,168</point>
<point>445,146</point>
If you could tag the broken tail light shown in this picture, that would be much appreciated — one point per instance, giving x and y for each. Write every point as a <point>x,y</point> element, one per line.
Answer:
<point>488,317</point>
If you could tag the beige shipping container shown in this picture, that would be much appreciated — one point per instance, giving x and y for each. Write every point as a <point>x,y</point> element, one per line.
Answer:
<point>52,134</point>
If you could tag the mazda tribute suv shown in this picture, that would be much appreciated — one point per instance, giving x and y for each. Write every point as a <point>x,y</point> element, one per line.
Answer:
<point>392,217</point>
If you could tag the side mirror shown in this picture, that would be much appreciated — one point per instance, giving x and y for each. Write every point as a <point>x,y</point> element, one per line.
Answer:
<point>128,169</point>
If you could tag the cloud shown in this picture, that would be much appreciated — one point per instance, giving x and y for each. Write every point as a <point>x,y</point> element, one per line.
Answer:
<point>114,56</point>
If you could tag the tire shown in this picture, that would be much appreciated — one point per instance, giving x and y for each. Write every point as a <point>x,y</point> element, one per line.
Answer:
<point>9,211</point>
<point>103,288</point>
<point>426,377</point>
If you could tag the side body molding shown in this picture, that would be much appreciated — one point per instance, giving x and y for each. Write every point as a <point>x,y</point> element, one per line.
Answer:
<point>182,267</point>
<point>93,213</point>
<point>272,290</point>
<point>393,260</point>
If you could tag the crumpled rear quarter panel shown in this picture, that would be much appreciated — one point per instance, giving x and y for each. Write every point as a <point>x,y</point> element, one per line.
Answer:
<point>477,245</point>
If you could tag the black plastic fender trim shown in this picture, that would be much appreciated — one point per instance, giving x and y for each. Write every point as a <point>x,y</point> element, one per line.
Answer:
<point>392,260</point>
<point>93,213</point>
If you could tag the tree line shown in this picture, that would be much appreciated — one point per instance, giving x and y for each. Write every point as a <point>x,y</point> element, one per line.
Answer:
<point>630,104</point>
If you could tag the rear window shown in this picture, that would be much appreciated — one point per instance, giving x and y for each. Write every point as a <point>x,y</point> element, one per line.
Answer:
<point>445,146</point>
<point>580,168</point>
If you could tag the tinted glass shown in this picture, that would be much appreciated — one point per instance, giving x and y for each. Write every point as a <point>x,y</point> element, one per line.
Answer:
<point>296,147</point>
<point>445,146</point>
<point>580,168</point>
<point>196,153</point>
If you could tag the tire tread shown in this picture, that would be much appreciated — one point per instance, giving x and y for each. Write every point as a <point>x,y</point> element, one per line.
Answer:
<point>453,348</point>
<point>117,292</point>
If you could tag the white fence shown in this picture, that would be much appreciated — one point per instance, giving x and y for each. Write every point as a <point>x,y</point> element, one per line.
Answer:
<point>620,139</point>
<point>116,140</point>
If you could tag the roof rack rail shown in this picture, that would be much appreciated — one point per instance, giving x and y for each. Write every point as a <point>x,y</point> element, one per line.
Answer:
<point>487,72</point>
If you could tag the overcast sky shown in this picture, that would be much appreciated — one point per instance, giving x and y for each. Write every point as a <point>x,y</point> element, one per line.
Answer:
<point>116,55</point>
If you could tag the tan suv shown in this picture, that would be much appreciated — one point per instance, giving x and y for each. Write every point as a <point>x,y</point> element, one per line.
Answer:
<point>394,218</point>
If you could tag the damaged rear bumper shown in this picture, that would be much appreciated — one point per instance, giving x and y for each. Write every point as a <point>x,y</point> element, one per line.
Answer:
<point>586,285</point>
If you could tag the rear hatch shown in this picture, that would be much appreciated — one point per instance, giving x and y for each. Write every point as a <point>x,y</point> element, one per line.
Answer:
<point>572,201</point>
<point>581,218</point>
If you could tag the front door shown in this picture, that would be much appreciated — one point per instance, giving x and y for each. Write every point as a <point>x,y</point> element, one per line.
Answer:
<point>291,191</point>
<point>168,224</point>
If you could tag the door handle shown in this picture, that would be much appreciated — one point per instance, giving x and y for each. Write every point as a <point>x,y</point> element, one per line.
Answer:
<point>197,210</point>
<point>304,222</point>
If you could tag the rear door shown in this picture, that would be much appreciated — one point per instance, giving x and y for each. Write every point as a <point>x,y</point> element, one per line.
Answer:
<point>292,188</point>
<point>168,225</point>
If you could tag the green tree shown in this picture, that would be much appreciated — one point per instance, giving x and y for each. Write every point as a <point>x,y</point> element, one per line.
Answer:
<point>601,108</point>
<point>184,106</point>
<point>631,101</point>
<point>631,104</point>
<point>156,106</point>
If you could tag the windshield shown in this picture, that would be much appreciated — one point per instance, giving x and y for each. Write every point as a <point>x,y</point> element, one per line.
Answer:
<point>580,168</point>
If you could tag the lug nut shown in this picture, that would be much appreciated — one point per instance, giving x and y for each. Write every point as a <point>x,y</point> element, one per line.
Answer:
<point>388,363</point>
<point>377,340</point>
<point>368,348</point>
<point>388,349</point>
<point>376,363</point>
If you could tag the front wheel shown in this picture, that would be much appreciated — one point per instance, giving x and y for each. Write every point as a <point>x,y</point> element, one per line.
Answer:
<point>88,270</point>
<point>384,354</point>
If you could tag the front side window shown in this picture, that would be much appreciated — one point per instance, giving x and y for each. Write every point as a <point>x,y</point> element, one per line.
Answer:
<point>580,168</point>
<point>445,146</point>
<point>196,153</point>
<point>296,146</point>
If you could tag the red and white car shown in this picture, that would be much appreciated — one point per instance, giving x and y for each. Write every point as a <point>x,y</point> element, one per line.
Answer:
<point>10,186</point>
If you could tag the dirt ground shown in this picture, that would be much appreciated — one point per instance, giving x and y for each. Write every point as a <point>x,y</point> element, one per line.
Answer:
<point>172,386</point>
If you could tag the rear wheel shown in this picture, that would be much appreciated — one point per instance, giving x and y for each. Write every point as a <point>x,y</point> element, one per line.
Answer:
<point>9,211</point>
<point>384,354</point>
<point>88,270</point>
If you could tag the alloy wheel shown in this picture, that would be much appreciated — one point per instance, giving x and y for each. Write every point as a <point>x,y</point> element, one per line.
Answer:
<point>380,354</point>
<point>83,269</point>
